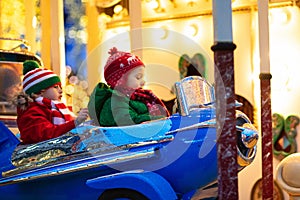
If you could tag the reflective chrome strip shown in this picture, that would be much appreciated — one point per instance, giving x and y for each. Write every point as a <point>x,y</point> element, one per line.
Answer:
<point>205,124</point>
<point>38,173</point>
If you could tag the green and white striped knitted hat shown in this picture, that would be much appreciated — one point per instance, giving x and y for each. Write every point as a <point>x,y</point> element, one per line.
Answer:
<point>36,78</point>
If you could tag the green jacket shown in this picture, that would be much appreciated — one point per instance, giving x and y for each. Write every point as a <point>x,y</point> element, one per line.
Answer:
<point>112,108</point>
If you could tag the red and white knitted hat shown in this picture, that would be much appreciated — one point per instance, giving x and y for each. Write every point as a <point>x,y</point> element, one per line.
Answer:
<point>36,78</point>
<point>118,64</point>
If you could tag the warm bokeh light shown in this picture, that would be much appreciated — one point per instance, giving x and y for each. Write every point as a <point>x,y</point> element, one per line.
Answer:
<point>117,9</point>
<point>280,16</point>
<point>69,89</point>
<point>153,4</point>
<point>34,22</point>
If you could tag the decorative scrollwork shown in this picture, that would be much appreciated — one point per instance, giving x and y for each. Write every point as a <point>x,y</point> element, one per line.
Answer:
<point>284,133</point>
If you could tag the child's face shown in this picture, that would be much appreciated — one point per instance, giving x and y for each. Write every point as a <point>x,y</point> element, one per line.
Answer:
<point>53,93</point>
<point>135,78</point>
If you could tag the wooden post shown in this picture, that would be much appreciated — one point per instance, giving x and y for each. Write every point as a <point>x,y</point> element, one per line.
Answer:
<point>30,31</point>
<point>225,100</point>
<point>93,59</point>
<point>46,33</point>
<point>58,40</point>
<point>136,39</point>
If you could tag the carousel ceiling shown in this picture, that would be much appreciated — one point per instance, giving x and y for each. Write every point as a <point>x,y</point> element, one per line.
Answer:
<point>159,10</point>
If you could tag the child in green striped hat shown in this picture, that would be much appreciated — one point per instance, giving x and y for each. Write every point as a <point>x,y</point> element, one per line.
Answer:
<point>41,113</point>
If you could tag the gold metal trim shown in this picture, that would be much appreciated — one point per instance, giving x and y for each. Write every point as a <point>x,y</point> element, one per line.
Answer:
<point>125,22</point>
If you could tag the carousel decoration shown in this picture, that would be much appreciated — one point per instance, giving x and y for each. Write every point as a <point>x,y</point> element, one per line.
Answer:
<point>284,135</point>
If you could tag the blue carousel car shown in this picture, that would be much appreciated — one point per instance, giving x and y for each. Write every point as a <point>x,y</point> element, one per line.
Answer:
<point>172,158</point>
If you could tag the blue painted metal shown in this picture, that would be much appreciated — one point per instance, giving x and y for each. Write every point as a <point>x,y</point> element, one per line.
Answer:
<point>172,157</point>
<point>151,184</point>
<point>8,143</point>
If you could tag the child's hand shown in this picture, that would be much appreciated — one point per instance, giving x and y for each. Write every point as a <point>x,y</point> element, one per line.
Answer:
<point>82,116</point>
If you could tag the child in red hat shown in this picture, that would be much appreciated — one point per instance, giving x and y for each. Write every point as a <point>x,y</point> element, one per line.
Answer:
<point>123,101</point>
<point>41,114</point>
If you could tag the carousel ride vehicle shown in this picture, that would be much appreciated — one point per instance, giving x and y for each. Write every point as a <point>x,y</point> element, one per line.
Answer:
<point>171,158</point>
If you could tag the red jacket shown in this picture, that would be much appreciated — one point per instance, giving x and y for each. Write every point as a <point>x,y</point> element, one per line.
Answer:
<point>35,124</point>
